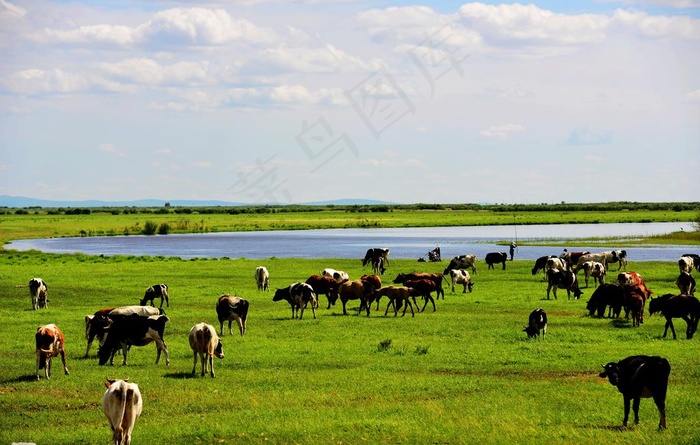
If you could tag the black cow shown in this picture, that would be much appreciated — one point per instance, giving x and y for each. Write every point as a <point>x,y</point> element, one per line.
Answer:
<point>677,306</point>
<point>540,263</point>
<point>155,291</point>
<point>562,279</point>
<point>131,330</point>
<point>495,258</point>
<point>229,308</point>
<point>686,283</point>
<point>640,376</point>
<point>374,253</point>
<point>536,322</point>
<point>608,294</point>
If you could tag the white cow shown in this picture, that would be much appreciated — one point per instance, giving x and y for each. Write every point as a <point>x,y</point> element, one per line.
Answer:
<point>596,270</point>
<point>555,263</point>
<point>461,276</point>
<point>122,405</point>
<point>38,291</point>
<point>143,311</point>
<point>262,278</point>
<point>205,344</point>
<point>337,275</point>
<point>685,264</point>
<point>601,257</point>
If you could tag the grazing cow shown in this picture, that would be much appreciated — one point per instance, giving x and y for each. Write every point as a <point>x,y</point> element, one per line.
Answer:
<point>537,321</point>
<point>640,376</point>
<point>495,258</point>
<point>398,296</point>
<point>299,295</point>
<point>596,270</point>
<point>262,278</point>
<point>571,258</point>
<point>324,285</point>
<point>423,287</point>
<point>132,330</point>
<point>375,253</point>
<point>205,344</point>
<point>555,263</point>
<point>617,256</point>
<point>679,306</point>
<point>686,283</point>
<point>378,266</point>
<point>605,295</point>
<point>122,405</point>
<point>90,334</point>
<point>337,275</point>
<point>229,308</point>
<point>155,291</point>
<point>144,311</point>
<point>356,290</point>
<point>601,257</point>
<point>374,282</point>
<point>38,291</point>
<point>540,264</point>
<point>562,279</point>
<point>49,344</point>
<point>461,262</point>
<point>461,276</point>
<point>685,264</point>
<point>635,300</point>
<point>696,259</point>
<point>632,279</point>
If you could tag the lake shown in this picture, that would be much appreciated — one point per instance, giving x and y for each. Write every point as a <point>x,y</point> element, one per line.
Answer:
<point>352,243</point>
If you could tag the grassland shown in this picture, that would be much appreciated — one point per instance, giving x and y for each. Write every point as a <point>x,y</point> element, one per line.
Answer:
<point>462,374</point>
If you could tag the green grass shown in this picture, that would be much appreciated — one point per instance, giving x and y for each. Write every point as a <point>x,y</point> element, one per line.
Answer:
<point>463,374</point>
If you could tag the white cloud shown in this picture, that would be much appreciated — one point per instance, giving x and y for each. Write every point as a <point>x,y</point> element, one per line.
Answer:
<point>12,10</point>
<point>693,96</point>
<point>110,148</point>
<point>501,132</point>
<point>657,26</point>
<point>589,136</point>
<point>328,59</point>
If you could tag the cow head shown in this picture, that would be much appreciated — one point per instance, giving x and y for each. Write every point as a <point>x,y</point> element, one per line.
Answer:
<point>400,278</point>
<point>281,294</point>
<point>612,372</point>
<point>219,350</point>
<point>530,331</point>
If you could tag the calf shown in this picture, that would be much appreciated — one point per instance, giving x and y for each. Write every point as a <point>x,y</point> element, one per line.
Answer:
<point>373,282</point>
<point>495,258</point>
<point>424,287</point>
<point>640,376</point>
<point>38,291</point>
<point>605,295</point>
<point>596,270</point>
<point>540,264</point>
<point>132,330</point>
<point>156,291</point>
<point>205,344</point>
<point>461,276</point>
<point>49,344</point>
<point>299,295</point>
<point>562,279</point>
<point>635,300</point>
<point>537,321</point>
<point>686,283</point>
<point>122,405</point>
<point>398,296</point>
<point>324,285</point>
<point>262,278</point>
<point>679,306</point>
<point>230,308</point>
<point>361,290</point>
<point>462,262</point>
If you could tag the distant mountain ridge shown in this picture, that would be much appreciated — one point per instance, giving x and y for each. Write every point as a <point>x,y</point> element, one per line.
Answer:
<point>21,202</point>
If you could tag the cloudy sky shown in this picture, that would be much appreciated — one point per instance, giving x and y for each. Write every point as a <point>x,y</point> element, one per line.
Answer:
<point>296,101</point>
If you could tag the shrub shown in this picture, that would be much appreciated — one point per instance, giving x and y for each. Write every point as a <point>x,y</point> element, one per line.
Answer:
<point>164,229</point>
<point>149,228</point>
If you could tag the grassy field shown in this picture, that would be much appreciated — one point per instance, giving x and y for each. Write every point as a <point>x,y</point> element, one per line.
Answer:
<point>463,374</point>
<point>43,225</point>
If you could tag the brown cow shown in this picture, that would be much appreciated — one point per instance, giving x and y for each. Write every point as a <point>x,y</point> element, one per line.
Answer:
<point>435,277</point>
<point>375,282</point>
<point>356,290</point>
<point>424,287</point>
<point>49,344</point>
<point>324,285</point>
<point>397,295</point>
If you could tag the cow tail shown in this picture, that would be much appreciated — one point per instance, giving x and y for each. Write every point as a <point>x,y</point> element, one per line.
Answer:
<point>121,394</point>
<point>244,313</point>
<point>131,400</point>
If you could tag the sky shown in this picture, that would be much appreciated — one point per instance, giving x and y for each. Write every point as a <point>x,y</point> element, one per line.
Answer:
<point>276,101</point>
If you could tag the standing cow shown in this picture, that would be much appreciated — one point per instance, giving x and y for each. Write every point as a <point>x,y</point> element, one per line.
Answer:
<point>205,344</point>
<point>132,330</point>
<point>262,278</point>
<point>229,308</point>
<point>495,258</point>
<point>640,376</point>
<point>156,291</point>
<point>299,295</point>
<point>461,276</point>
<point>49,344</point>
<point>122,405</point>
<point>38,291</point>
<point>461,262</point>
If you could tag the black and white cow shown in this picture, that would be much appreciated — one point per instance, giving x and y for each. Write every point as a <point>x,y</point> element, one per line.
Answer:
<point>230,308</point>
<point>563,279</point>
<point>495,258</point>
<point>540,264</point>
<point>299,295</point>
<point>686,283</point>
<point>156,291</point>
<point>38,291</point>
<point>262,278</point>
<point>640,376</point>
<point>375,253</point>
<point>461,276</point>
<point>462,262</point>
<point>131,330</point>
<point>537,322</point>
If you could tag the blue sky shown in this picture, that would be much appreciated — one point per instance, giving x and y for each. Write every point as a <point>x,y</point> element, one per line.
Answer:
<point>276,101</point>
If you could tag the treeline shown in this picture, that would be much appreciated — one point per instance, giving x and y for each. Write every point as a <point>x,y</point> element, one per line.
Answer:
<point>364,208</point>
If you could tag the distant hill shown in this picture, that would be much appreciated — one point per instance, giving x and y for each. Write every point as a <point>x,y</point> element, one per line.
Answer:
<point>21,202</point>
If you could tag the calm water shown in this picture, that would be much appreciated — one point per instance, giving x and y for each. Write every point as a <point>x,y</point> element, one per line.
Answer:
<point>352,243</point>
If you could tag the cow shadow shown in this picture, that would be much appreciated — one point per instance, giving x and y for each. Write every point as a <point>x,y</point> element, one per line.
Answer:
<point>22,379</point>
<point>179,375</point>
<point>621,323</point>
<point>618,427</point>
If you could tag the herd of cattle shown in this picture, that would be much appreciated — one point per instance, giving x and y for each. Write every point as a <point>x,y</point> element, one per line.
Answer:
<point>122,327</point>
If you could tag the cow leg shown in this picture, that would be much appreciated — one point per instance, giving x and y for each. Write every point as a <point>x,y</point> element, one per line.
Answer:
<point>47,369</point>
<point>241,325</point>
<point>504,265</point>
<point>161,347</point>
<point>669,322</point>
<point>408,303</point>
<point>345,312</point>
<point>635,408</point>
<point>63,359</point>
<point>194,364</point>
<point>125,350</point>
<point>203,358</point>
<point>660,400</point>
<point>89,344</point>
<point>627,410</point>
<point>167,302</point>
<point>211,366</point>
